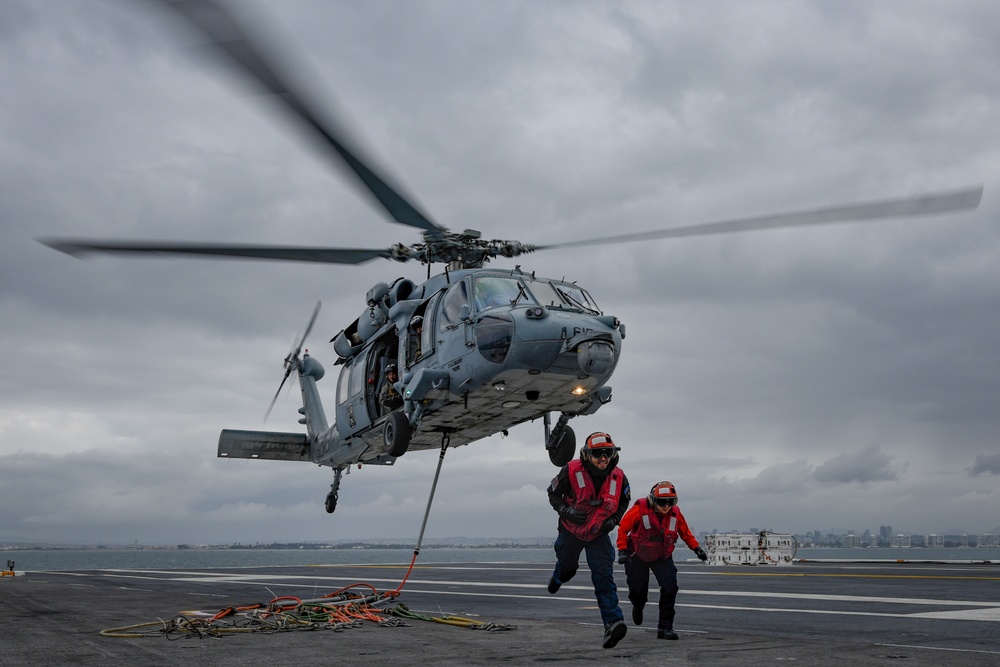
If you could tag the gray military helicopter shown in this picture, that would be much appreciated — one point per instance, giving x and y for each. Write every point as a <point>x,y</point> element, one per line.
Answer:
<point>480,349</point>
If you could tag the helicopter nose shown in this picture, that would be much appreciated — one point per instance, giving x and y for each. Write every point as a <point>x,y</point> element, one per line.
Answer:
<point>595,357</point>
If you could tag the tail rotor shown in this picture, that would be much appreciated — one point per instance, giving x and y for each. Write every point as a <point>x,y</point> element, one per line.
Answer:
<point>292,359</point>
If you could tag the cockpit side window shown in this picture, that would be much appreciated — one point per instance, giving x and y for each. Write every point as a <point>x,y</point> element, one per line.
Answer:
<point>451,307</point>
<point>495,291</point>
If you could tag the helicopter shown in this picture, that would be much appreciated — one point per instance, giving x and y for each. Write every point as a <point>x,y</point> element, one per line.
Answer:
<point>478,349</point>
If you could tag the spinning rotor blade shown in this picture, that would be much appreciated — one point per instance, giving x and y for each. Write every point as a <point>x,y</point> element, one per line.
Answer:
<point>891,208</point>
<point>305,334</point>
<point>236,49</point>
<point>292,358</point>
<point>81,247</point>
<point>267,413</point>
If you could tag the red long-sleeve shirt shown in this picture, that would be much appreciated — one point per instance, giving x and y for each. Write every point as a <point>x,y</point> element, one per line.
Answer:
<point>632,517</point>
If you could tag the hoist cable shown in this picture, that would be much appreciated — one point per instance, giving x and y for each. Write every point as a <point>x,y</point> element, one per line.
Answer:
<point>445,440</point>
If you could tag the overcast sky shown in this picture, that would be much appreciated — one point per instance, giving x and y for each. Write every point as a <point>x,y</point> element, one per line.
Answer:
<point>835,378</point>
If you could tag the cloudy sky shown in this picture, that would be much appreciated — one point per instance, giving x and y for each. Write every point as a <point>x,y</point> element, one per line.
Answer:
<point>834,378</point>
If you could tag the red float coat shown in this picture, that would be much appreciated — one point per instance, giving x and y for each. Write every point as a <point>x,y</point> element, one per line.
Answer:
<point>649,535</point>
<point>599,504</point>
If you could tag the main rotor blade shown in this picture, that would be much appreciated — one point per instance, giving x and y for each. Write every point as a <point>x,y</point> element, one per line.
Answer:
<point>891,208</point>
<point>82,247</point>
<point>236,48</point>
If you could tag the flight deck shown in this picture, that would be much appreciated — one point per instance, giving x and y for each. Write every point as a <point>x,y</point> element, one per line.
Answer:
<point>812,613</point>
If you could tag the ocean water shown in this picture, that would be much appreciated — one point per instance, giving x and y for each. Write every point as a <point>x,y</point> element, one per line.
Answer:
<point>179,559</point>
<point>902,553</point>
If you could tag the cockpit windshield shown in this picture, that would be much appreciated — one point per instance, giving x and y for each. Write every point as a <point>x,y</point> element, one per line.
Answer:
<point>562,295</point>
<point>491,291</point>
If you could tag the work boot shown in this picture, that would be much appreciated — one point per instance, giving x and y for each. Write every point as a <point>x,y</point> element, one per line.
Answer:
<point>666,634</point>
<point>553,585</point>
<point>613,633</point>
<point>637,615</point>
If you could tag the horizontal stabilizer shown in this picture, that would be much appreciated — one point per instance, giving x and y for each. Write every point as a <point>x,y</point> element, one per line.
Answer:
<point>263,445</point>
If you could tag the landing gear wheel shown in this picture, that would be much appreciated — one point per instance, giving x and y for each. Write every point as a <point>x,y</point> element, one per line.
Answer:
<point>564,452</point>
<point>331,502</point>
<point>396,433</point>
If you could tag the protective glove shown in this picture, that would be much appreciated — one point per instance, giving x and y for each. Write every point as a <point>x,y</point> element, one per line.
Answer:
<point>607,526</point>
<point>572,514</point>
<point>623,556</point>
<point>700,553</point>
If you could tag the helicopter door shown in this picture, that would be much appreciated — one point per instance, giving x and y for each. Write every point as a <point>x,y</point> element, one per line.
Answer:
<point>360,382</point>
<point>380,355</point>
<point>351,412</point>
<point>419,341</point>
<point>452,325</point>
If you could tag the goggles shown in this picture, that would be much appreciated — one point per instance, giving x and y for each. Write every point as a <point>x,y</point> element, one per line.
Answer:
<point>665,502</point>
<point>602,453</point>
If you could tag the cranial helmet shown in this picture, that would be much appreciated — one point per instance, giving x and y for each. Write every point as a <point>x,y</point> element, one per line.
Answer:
<point>663,494</point>
<point>598,443</point>
<point>391,368</point>
<point>417,321</point>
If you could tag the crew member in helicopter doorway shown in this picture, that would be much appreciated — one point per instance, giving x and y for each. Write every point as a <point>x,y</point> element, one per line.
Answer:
<point>389,397</point>
<point>646,539</point>
<point>591,494</point>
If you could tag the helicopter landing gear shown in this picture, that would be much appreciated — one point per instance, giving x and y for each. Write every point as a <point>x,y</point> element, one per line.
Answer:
<point>563,452</point>
<point>560,442</point>
<point>331,498</point>
<point>396,433</point>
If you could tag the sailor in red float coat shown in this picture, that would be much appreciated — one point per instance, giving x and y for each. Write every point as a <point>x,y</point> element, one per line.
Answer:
<point>646,538</point>
<point>598,504</point>
<point>650,535</point>
<point>590,495</point>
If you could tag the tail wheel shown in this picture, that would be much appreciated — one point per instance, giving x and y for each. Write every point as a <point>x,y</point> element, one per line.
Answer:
<point>564,452</point>
<point>396,433</point>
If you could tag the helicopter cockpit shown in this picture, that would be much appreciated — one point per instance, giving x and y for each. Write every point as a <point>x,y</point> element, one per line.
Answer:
<point>493,291</point>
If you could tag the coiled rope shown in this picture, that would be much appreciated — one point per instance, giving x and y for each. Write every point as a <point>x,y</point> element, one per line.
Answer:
<point>340,610</point>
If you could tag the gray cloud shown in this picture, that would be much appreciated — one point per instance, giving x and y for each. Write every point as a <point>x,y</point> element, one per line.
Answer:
<point>797,379</point>
<point>866,465</point>
<point>986,463</point>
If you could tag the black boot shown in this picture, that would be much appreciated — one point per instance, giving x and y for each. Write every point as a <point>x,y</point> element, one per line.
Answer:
<point>666,634</point>
<point>613,633</point>
<point>553,585</point>
<point>637,615</point>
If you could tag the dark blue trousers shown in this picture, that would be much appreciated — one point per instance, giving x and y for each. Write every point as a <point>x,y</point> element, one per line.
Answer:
<point>600,560</point>
<point>637,575</point>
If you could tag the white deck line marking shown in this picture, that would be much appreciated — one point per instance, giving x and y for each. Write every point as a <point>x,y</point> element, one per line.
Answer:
<point>941,648</point>
<point>981,611</point>
<point>213,577</point>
